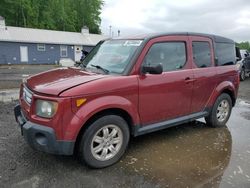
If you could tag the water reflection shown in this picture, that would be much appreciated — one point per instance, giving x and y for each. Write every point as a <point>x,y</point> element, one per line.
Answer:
<point>191,155</point>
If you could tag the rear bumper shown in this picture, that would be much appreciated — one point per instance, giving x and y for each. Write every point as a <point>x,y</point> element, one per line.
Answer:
<point>42,138</point>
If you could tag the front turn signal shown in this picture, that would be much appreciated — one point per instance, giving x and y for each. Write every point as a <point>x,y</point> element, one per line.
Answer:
<point>80,102</point>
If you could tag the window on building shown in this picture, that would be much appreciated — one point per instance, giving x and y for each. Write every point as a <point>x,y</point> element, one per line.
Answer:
<point>172,55</point>
<point>202,54</point>
<point>41,47</point>
<point>64,51</point>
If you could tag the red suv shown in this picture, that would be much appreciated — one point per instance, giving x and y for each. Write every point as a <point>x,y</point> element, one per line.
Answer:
<point>128,87</point>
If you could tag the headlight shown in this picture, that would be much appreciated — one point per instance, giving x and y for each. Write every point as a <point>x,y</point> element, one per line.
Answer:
<point>238,66</point>
<point>46,109</point>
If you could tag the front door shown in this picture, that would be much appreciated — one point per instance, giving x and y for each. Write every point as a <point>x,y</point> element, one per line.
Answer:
<point>24,54</point>
<point>167,95</point>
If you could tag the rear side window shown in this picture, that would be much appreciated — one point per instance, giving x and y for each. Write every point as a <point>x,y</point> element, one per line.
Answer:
<point>201,54</point>
<point>226,54</point>
<point>172,55</point>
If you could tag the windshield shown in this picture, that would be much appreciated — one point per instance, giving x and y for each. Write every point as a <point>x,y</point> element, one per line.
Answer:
<point>111,56</point>
<point>244,53</point>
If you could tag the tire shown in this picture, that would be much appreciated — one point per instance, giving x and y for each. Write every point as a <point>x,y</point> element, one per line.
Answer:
<point>242,74</point>
<point>220,112</point>
<point>97,141</point>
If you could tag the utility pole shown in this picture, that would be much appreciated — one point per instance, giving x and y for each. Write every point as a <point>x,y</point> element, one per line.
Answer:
<point>24,19</point>
<point>110,31</point>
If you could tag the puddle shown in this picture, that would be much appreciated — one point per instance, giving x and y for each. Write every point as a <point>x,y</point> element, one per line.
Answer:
<point>185,156</point>
<point>245,115</point>
<point>244,109</point>
<point>9,95</point>
<point>190,155</point>
<point>243,103</point>
<point>25,75</point>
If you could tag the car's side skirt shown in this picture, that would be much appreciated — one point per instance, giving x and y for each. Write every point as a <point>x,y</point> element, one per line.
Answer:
<point>140,130</point>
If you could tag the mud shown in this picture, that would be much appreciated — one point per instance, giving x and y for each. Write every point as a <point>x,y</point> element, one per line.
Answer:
<point>190,155</point>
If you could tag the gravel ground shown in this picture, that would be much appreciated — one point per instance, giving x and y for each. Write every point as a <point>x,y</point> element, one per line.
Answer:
<point>190,155</point>
<point>21,166</point>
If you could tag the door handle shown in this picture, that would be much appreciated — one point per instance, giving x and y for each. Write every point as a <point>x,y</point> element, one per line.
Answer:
<point>188,80</point>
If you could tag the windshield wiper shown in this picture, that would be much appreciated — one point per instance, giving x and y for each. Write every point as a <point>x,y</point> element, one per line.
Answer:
<point>79,64</point>
<point>101,68</point>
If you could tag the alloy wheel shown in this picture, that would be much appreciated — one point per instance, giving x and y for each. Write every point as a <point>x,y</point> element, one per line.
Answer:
<point>223,110</point>
<point>107,142</point>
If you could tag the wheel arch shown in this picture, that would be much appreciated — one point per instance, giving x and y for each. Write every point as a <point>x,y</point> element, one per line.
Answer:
<point>224,87</point>
<point>231,94</point>
<point>109,111</point>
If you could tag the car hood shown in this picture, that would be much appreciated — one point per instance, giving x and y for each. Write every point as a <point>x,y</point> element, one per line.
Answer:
<point>56,81</point>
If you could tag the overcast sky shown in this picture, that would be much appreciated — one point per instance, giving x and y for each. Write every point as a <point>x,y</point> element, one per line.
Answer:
<point>229,18</point>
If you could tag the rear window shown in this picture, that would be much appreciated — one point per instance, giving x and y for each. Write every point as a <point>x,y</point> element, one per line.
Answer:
<point>226,54</point>
<point>201,54</point>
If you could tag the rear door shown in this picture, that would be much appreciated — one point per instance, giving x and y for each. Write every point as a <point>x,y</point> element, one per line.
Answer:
<point>204,72</point>
<point>168,95</point>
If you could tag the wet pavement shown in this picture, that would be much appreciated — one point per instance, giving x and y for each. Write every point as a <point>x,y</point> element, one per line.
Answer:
<point>190,155</point>
<point>8,95</point>
<point>11,76</point>
<point>194,155</point>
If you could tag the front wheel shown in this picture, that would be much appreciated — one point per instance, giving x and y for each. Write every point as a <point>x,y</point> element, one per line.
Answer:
<point>220,112</point>
<point>104,141</point>
<point>242,74</point>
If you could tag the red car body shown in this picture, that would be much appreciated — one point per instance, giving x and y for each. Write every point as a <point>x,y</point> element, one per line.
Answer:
<point>148,102</point>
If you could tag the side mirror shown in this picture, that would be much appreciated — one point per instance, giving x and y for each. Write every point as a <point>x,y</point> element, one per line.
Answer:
<point>153,69</point>
<point>238,59</point>
<point>85,52</point>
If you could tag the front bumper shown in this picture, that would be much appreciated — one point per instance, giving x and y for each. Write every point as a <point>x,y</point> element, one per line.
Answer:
<point>40,137</point>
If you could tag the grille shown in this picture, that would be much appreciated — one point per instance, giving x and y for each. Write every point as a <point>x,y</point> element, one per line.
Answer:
<point>27,95</point>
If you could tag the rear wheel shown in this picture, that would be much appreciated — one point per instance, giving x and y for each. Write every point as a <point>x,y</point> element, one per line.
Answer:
<point>104,142</point>
<point>220,112</point>
<point>242,74</point>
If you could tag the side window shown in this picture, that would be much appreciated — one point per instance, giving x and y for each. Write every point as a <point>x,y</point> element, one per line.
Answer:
<point>172,55</point>
<point>201,54</point>
<point>226,54</point>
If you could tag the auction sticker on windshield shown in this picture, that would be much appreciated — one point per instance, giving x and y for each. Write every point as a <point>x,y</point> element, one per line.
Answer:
<point>132,43</point>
